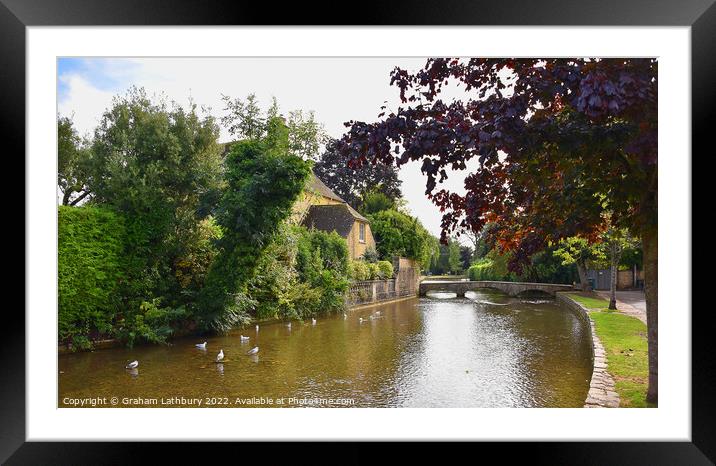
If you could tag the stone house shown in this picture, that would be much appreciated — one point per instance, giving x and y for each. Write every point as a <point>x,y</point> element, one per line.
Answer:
<point>320,208</point>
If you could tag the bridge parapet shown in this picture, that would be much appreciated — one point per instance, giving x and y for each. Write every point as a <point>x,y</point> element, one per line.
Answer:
<point>510,288</point>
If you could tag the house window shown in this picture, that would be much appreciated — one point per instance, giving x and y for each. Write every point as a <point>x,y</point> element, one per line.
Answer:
<point>361,233</point>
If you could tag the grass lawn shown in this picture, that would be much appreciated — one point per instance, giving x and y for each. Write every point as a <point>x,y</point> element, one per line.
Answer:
<point>624,340</point>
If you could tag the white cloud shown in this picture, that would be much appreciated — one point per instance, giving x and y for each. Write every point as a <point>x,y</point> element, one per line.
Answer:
<point>84,102</point>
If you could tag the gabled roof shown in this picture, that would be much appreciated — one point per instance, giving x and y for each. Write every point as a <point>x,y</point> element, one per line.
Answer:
<point>332,217</point>
<point>319,187</point>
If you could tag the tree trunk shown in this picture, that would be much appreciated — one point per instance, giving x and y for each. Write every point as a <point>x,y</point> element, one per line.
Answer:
<point>582,271</point>
<point>614,267</point>
<point>651,282</point>
<point>82,196</point>
<point>66,196</point>
<point>613,288</point>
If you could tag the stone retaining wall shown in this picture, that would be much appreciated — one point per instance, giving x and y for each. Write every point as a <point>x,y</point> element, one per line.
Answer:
<point>601,386</point>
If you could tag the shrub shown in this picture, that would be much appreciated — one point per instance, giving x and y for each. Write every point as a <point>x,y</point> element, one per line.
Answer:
<point>360,271</point>
<point>333,250</point>
<point>272,287</point>
<point>322,264</point>
<point>373,271</point>
<point>385,269</point>
<point>90,268</point>
<point>149,323</point>
<point>370,255</point>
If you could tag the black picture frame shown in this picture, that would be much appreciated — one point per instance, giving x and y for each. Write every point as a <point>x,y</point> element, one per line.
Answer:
<point>16,15</point>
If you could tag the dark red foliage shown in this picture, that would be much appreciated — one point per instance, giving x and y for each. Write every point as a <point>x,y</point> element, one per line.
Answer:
<point>559,141</point>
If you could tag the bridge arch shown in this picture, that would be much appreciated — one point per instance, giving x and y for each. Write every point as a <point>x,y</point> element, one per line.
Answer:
<point>510,288</point>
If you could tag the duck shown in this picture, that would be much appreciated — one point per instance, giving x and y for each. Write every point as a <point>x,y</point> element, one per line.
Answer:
<point>220,356</point>
<point>243,338</point>
<point>253,351</point>
<point>201,345</point>
<point>132,365</point>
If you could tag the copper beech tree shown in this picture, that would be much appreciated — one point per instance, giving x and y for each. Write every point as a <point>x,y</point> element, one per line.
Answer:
<point>562,144</point>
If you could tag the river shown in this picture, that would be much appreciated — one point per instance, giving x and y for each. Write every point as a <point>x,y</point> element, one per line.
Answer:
<point>484,350</point>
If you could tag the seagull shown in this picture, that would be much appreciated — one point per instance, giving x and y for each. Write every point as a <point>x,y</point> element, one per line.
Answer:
<point>345,316</point>
<point>132,365</point>
<point>201,345</point>
<point>360,320</point>
<point>220,356</point>
<point>253,350</point>
<point>288,325</point>
<point>243,338</point>
<point>257,327</point>
<point>313,321</point>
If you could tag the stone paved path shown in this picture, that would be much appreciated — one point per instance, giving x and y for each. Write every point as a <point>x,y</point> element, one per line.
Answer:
<point>631,303</point>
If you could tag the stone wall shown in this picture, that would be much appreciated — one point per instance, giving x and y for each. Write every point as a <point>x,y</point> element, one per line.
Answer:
<point>403,284</point>
<point>601,386</point>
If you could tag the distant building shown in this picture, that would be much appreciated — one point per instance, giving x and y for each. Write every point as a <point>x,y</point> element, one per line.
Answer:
<point>320,208</point>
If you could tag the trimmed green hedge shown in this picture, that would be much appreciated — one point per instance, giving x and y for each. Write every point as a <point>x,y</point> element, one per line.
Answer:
<point>90,268</point>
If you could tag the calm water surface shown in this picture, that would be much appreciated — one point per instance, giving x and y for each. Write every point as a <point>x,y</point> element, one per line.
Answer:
<point>485,350</point>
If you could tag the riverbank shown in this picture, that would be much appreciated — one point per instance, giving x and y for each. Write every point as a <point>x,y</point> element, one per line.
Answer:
<point>112,343</point>
<point>624,339</point>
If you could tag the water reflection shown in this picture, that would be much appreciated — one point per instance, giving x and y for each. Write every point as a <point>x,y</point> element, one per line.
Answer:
<point>485,350</point>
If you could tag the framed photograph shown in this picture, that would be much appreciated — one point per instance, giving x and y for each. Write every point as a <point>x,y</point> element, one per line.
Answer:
<point>434,222</point>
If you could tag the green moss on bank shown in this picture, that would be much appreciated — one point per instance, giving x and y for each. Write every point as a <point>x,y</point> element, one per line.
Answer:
<point>625,342</point>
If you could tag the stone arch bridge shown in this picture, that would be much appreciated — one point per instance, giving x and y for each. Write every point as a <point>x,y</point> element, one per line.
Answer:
<point>511,288</point>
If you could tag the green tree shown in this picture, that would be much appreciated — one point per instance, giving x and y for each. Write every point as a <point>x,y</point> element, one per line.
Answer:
<point>578,251</point>
<point>615,240</point>
<point>263,180</point>
<point>398,234</point>
<point>73,158</point>
<point>245,119</point>
<point>153,162</point>
<point>466,256</point>
<point>375,201</point>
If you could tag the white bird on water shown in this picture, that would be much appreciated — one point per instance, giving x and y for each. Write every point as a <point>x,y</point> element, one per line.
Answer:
<point>132,365</point>
<point>253,351</point>
<point>345,316</point>
<point>313,321</point>
<point>243,338</point>
<point>360,320</point>
<point>201,345</point>
<point>288,325</point>
<point>220,356</point>
<point>257,327</point>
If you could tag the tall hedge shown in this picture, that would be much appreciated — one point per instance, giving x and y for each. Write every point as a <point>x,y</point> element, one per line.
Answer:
<point>90,267</point>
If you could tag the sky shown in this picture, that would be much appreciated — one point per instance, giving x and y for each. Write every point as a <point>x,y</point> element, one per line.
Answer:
<point>336,89</point>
